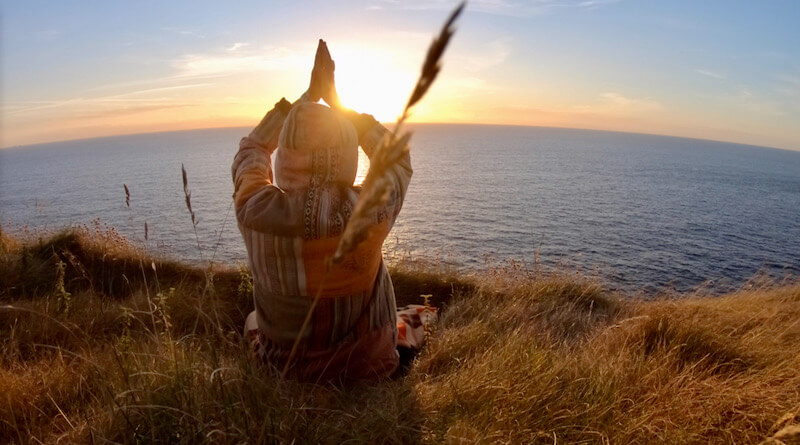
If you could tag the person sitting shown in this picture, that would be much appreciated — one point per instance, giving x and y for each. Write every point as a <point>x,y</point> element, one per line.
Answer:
<point>292,222</point>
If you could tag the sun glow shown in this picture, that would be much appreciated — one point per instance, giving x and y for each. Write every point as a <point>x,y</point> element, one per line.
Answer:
<point>372,82</point>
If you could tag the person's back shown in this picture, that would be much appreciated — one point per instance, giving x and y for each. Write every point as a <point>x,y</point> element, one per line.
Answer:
<point>292,226</point>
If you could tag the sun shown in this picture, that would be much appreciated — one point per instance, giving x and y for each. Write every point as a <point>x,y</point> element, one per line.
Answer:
<point>372,83</point>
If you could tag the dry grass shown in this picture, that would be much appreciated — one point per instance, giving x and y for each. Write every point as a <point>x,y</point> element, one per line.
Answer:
<point>559,359</point>
<point>153,356</point>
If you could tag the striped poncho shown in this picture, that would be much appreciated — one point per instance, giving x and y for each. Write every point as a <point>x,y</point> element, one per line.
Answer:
<point>291,227</point>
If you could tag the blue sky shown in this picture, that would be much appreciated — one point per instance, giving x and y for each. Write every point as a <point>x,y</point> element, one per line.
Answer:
<point>724,70</point>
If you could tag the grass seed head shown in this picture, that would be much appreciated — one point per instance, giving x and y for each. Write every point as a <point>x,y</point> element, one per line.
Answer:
<point>127,196</point>
<point>432,65</point>
<point>377,188</point>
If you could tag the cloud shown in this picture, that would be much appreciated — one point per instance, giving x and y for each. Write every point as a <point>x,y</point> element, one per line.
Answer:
<point>183,32</point>
<point>708,73</point>
<point>161,89</point>
<point>592,4</point>
<point>146,95</point>
<point>237,58</point>
<point>488,6</point>
<point>488,55</point>
<point>125,100</point>
<point>126,110</point>
<point>608,111</point>
<point>48,35</point>
<point>612,102</point>
<point>234,62</point>
<point>237,46</point>
<point>186,94</point>
<point>756,104</point>
<point>497,7</point>
<point>789,84</point>
<point>461,85</point>
<point>599,117</point>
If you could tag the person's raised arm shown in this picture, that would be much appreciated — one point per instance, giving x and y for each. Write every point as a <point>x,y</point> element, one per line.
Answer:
<point>267,131</point>
<point>252,167</point>
<point>256,200</point>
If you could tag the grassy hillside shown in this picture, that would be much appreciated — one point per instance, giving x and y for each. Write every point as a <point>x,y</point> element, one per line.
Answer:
<point>99,341</point>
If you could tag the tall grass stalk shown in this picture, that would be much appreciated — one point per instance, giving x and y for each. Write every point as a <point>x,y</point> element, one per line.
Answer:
<point>376,187</point>
<point>188,197</point>
<point>127,196</point>
<point>219,235</point>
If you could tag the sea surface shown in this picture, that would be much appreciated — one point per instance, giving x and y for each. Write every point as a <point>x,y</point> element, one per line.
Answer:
<point>641,212</point>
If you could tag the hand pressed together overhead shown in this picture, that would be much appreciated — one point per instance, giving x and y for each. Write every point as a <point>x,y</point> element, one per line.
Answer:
<point>323,83</point>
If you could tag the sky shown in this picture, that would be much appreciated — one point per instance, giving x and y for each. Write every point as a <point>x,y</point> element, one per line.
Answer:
<point>722,70</point>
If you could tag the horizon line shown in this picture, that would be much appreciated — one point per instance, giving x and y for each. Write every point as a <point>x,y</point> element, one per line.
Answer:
<point>771,147</point>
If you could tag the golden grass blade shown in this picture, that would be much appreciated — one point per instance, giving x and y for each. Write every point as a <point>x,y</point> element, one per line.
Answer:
<point>374,194</point>
<point>188,196</point>
<point>377,187</point>
<point>127,195</point>
<point>431,67</point>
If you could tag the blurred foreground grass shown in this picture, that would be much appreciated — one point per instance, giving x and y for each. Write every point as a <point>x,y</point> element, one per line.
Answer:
<point>100,341</point>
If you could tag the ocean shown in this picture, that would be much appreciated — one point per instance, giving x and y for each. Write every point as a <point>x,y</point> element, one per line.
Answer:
<point>641,212</point>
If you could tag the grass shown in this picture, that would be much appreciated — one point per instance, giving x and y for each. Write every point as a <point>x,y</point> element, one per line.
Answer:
<point>148,351</point>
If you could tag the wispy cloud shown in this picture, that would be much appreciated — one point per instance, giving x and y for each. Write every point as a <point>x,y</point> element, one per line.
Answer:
<point>189,71</point>
<point>757,104</point>
<point>466,71</point>
<point>214,64</point>
<point>709,73</point>
<point>183,32</point>
<point>464,86</point>
<point>498,7</point>
<point>613,102</point>
<point>609,111</point>
<point>591,4</point>
<point>47,35</point>
<point>237,58</point>
<point>789,84</point>
<point>483,57</point>
<point>160,102</point>
<point>124,100</point>
<point>126,110</point>
<point>237,46</point>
